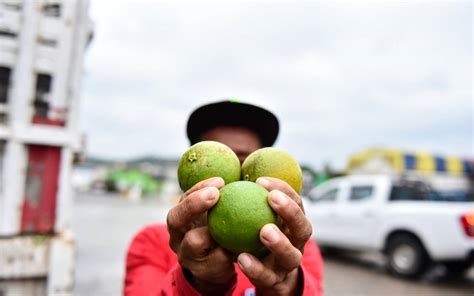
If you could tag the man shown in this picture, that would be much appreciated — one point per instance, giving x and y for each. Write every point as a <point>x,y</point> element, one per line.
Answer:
<point>181,258</point>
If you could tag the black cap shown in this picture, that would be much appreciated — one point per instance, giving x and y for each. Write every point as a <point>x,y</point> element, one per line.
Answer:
<point>233,113</point>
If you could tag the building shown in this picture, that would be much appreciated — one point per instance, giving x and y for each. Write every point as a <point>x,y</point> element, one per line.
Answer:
<point>42,45</point>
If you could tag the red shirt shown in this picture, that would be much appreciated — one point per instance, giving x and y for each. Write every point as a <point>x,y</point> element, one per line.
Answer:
<point>152,268</point>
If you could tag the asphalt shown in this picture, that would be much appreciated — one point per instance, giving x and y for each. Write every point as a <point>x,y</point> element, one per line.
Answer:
<point>104,225</point>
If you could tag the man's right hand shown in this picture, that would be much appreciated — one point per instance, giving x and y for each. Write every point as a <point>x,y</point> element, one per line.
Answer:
<point>208,267</point>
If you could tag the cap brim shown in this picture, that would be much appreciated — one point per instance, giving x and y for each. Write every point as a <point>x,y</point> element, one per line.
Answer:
<point>227,113</point>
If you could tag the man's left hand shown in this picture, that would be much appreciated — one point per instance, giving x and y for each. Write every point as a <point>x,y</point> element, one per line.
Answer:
<point>279,273</point>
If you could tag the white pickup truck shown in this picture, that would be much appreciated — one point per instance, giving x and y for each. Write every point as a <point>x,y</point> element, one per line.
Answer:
<point>411,224</point>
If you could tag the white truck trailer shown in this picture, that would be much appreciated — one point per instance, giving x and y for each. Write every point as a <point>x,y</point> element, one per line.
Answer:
<point>42,45</point>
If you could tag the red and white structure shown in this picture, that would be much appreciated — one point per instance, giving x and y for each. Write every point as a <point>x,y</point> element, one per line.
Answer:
<point>42,45</point>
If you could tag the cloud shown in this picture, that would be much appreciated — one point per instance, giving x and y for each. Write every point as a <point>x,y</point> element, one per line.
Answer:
<point>340,77</point>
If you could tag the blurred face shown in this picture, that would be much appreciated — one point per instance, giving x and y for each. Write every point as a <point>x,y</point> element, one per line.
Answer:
<point>241,140</point>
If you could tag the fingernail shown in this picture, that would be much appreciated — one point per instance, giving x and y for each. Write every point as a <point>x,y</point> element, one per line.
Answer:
<point>278,198</point>
<point>262,181</point>
<point>269,234</point>
<point>216,181</point>
<point>244,261</point>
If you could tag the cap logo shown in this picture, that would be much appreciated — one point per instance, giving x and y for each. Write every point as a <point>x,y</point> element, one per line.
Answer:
<point>234,100</point>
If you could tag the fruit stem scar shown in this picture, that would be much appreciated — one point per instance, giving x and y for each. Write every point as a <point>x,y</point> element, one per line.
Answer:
<point>246,177</point>
<point>192,157</point>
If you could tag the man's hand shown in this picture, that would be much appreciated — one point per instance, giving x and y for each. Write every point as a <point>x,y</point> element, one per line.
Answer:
<point>278,273</point>
<point>208,267</point>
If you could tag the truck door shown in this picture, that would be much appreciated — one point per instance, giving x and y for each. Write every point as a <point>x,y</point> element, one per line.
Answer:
<point>358,215</point>
<point>322,210</point>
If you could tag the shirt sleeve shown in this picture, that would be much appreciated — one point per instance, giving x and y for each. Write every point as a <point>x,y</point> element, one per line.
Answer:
<point>152,268</point>
<point>312,270</point>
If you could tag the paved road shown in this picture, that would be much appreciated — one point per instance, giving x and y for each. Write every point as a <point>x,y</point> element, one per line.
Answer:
<point>104,225</point>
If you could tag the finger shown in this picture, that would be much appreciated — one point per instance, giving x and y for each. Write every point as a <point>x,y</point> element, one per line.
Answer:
<point>205,260</point>
<point>181,216</point>
<point>197,243</point>
<point>298,225</point>
<point>287,257</point>
<point>217,182</point>
<point>214,267</point>
<point>270,184</point>
<point>256,271</point>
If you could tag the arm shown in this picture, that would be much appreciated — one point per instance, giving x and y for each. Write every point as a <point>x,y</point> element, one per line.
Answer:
<point>151,266</point>
<point>186,261</point>
<point>312,269</point>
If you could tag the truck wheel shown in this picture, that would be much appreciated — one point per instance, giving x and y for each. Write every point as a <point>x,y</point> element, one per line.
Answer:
<point>407,258</point>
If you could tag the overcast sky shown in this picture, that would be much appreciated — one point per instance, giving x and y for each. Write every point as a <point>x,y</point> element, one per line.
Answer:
<point>341,77</point>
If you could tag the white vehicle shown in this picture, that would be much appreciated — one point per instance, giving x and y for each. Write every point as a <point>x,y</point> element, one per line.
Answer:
<point>407,221</point>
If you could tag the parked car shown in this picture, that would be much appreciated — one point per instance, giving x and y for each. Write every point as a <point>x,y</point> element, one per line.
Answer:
<point>406,220</point>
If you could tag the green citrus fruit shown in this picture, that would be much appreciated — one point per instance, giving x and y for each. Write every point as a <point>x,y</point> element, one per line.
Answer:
<point>207,159</point>
<point>273,162</point>
<point>235,221</point>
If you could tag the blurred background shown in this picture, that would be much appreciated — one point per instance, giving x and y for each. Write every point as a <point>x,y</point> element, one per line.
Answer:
<point>95,95</point>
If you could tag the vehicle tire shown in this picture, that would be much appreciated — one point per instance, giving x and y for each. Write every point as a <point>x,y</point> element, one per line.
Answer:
<point>407,258</point>
<point>455,268</point>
